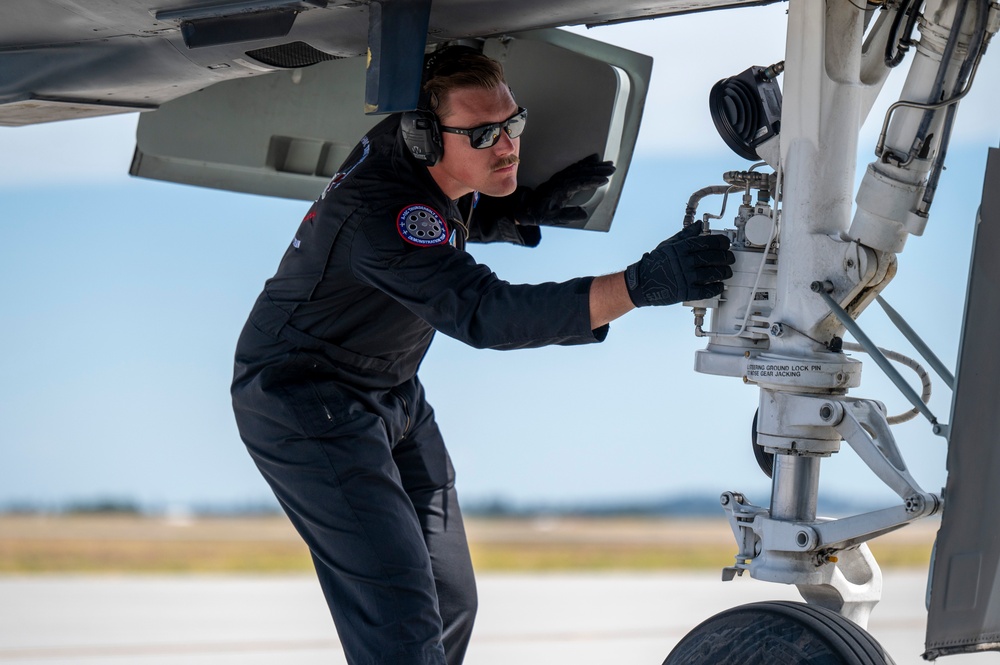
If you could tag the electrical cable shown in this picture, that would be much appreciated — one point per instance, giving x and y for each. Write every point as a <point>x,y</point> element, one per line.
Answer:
<point>925,379</point>
<point>903,43</point>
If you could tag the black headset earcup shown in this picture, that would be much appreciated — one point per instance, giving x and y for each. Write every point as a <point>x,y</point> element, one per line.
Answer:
<point>422,136</point>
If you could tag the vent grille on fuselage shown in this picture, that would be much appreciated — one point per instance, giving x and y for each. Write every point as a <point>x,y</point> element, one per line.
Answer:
<point>291,55</point>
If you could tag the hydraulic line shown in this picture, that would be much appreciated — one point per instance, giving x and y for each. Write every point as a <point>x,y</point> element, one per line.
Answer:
<point>692,204</point>
<point>937,91</point>
<point>969,66</point>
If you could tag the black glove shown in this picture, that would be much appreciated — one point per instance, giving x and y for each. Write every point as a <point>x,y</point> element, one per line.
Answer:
<point>687,266</point>
<point>546,204</point>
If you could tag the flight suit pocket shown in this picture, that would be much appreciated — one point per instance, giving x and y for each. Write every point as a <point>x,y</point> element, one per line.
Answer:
<point>321,407</point>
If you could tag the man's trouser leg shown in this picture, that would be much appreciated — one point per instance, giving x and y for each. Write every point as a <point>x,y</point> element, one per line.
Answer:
<point>375,525</point>
<point>429,480</point>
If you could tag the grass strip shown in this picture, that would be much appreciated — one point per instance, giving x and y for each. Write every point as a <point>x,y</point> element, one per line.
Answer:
<point>122,546</point>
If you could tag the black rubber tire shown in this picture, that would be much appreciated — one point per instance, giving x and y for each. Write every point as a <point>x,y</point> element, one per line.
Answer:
<point>778,633</point>
<point>765,460</point>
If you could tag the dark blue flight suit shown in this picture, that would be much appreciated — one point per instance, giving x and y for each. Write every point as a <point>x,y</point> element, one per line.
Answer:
<point>328,402</point>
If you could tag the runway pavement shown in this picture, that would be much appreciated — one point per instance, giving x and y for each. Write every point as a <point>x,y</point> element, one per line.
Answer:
<point>524,619</point>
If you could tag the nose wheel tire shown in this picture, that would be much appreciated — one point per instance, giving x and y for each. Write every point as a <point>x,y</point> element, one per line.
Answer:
<point>778,633</point>
<point>765,460</point>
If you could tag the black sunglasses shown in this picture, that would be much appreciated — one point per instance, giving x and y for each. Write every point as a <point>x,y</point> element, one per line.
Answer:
<point>486,136</point>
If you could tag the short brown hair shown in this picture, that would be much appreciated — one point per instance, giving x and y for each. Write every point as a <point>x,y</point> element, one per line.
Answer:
<point>458,67</point>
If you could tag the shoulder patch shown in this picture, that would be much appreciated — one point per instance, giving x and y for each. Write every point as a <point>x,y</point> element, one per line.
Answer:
<point>339,176</point>
<point>422,226</point>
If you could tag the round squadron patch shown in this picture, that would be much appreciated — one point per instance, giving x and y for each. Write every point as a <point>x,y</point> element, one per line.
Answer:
<point>422,226</point>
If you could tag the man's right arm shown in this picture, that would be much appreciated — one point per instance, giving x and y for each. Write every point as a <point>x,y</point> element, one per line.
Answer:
<point>686,266</point>
<point>609,299</point>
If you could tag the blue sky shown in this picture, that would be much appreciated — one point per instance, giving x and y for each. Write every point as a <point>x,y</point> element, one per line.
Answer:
<point>124,298</point>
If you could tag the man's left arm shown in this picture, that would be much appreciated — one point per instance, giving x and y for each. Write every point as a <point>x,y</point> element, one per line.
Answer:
<point>516,218</point>
<point>494,219</point>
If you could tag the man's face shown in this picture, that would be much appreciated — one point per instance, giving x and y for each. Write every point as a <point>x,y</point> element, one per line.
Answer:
<point>463,169</point>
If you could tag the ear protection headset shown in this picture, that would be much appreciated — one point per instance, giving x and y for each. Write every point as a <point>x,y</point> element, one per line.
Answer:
<point>420,128</point>
<point>422,136</point>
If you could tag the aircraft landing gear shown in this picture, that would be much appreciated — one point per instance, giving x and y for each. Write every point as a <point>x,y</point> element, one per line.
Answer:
<point>778,633</point>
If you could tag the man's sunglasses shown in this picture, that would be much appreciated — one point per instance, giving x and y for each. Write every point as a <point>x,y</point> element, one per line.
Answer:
<point>486,136</point>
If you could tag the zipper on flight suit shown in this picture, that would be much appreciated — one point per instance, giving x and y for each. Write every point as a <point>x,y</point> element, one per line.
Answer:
<point>406,412</point>
<point>460,238</point>
<point>319,398</point>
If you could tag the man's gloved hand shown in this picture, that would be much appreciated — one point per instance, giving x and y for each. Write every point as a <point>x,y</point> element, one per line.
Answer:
<point>546,204</point>
<point>687,266</point>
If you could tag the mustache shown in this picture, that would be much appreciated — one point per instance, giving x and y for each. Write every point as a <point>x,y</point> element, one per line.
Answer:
<point>509,160</point>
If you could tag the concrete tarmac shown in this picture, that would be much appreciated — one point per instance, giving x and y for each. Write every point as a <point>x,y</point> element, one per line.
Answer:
<point>527,619</point>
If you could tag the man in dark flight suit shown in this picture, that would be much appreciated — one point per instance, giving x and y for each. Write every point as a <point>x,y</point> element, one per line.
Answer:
<point>326,393</point>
